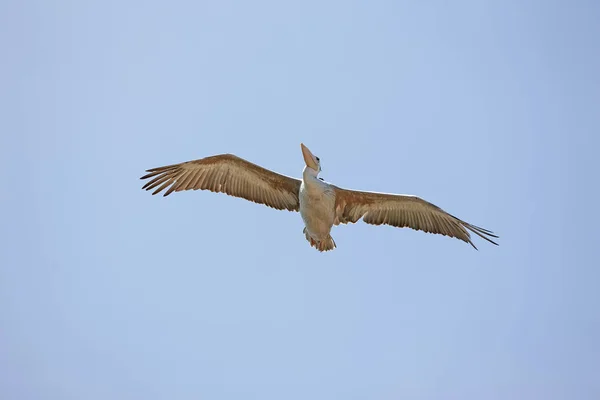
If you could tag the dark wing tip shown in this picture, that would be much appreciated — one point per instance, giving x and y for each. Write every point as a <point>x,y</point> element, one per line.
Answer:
<point>161,178</point>
<point>483,235</point>
<point>151,174</point>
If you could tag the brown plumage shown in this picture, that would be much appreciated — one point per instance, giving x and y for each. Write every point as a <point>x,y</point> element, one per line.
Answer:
<point>402,211</point>
<point>228,174</point>
<point>321,204</point>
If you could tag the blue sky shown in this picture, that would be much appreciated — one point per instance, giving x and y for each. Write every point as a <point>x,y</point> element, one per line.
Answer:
<point>488,109</point>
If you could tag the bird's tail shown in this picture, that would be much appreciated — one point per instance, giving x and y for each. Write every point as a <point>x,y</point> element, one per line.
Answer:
<point>321,245</point>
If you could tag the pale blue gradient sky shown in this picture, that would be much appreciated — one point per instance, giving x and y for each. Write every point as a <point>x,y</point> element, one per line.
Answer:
<point>489,109</point>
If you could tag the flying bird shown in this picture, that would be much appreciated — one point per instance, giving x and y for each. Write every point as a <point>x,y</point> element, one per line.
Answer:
<point>320,203</point>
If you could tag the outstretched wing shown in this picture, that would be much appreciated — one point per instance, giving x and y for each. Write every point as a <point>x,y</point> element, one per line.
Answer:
<point>403,211</point>
<point>228,174</point>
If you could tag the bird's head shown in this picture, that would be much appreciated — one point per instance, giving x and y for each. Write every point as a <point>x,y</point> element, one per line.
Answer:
<point>310,159</point>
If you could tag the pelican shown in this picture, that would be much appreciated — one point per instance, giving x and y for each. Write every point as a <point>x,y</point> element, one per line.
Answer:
<point>320,203</point>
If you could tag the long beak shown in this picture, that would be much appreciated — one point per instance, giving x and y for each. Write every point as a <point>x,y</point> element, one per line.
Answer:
<point>309,159</point>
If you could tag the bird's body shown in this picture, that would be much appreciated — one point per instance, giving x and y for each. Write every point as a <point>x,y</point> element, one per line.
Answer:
<point>321,204</point>
<point>317,208</point>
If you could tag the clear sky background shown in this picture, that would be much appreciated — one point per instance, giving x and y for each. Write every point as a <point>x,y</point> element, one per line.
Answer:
<point>489,109</point>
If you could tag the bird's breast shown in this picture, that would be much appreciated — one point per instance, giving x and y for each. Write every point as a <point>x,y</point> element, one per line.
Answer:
<point>317,208</point>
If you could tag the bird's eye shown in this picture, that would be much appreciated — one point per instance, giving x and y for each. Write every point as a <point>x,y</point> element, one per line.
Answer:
<point>318,159</point>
